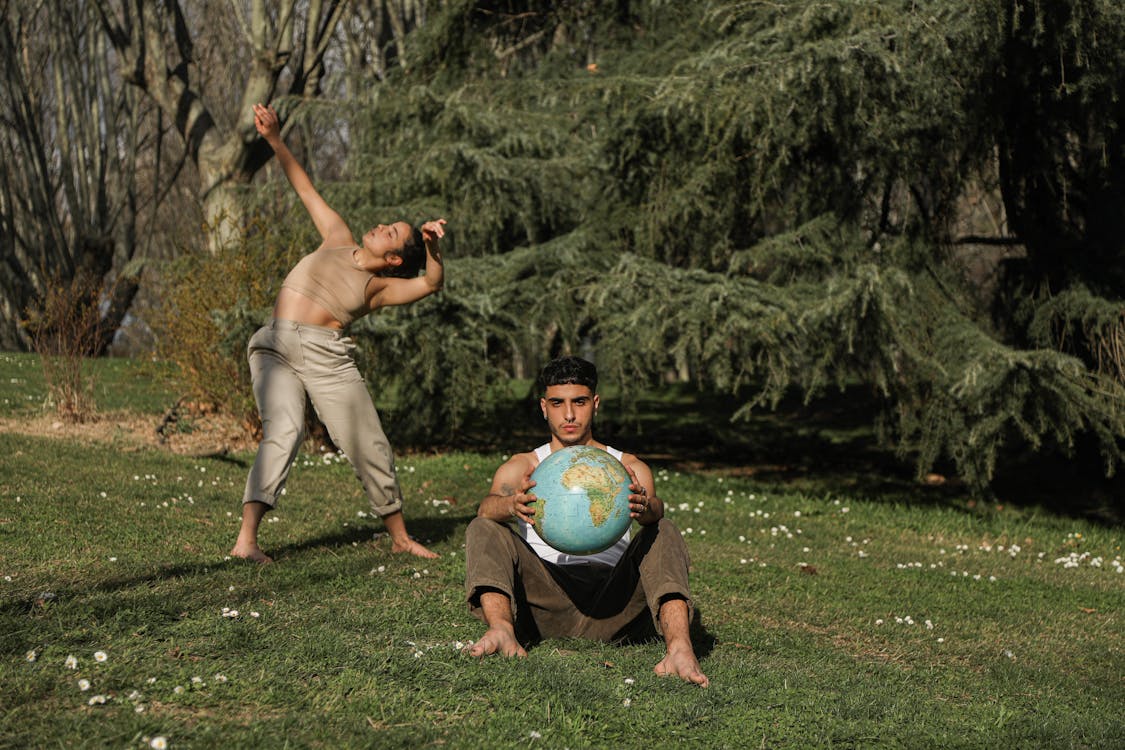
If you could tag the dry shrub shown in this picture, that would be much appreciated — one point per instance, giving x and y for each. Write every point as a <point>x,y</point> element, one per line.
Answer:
<point>65,329</point>
<point>210,306</point>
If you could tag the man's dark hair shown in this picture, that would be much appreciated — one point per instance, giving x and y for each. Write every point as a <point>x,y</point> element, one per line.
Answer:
<point>569,371</point>
<point>413,255</point>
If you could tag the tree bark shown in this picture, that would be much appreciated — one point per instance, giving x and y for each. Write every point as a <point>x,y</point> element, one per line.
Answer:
<point>154,40</point>
<point>68,192</point>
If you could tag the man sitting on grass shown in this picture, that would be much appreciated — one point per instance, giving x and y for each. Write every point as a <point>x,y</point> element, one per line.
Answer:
<point>525,590</point>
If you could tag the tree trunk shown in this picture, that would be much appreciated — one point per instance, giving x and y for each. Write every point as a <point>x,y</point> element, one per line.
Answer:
<point>68,195</point>
<point>154,40</point>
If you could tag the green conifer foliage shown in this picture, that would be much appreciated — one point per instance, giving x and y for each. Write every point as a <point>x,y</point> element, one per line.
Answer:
<point>771,198</point>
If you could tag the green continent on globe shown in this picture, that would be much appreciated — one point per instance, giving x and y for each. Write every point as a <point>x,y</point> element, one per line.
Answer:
<point>600,479</point>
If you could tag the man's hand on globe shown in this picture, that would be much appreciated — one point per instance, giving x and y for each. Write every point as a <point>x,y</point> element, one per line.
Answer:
<point>638,501</point>
<point>523,503</point>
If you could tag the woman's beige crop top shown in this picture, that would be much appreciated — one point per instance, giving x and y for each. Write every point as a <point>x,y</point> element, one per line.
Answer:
<point>330,276</point>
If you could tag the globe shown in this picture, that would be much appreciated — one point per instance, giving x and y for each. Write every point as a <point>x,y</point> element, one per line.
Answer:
<point>582,499</point>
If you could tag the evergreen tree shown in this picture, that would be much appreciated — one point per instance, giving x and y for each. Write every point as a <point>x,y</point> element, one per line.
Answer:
<point>773,197</point>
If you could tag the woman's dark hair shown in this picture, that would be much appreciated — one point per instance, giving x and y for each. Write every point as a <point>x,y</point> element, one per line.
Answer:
<point>569,371</point>
<point>413,254</point>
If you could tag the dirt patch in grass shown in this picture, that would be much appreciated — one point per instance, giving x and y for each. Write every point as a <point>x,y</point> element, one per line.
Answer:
<point>191,434</point>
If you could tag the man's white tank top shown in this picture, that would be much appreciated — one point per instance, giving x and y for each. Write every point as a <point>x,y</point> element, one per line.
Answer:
<point>547,552</point>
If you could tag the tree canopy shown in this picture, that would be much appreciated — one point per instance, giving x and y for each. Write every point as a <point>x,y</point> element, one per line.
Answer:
<point>919,197</point>
<point>774,197</point>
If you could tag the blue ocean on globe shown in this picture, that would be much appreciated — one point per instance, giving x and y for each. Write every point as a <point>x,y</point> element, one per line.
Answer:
<point>582,502</point>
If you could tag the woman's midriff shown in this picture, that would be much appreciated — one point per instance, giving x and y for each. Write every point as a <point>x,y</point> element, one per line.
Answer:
<point>294,306</point>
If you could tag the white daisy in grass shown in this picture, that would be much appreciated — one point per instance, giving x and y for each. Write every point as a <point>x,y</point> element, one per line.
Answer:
<point>71,662</point>
<point>158,743</point>
<point>83,685</point>
<point>32,655</point>
<point>96,700</point>
<point>100,656</point>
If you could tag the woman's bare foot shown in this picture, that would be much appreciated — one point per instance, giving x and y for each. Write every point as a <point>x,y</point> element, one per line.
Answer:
<point>250,552</point>
<point>246,544</point>
<point>683,664</point>
<point>496,640</point>
<point>413,548</point>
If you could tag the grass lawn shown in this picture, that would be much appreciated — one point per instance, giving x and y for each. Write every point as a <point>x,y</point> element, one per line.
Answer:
<point>833,612</point>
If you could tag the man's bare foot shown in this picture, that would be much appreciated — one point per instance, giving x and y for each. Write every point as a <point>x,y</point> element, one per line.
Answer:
<point>683,664</point>
<point>250,552</point>
<point>496,641</point>
<point>413,548</point>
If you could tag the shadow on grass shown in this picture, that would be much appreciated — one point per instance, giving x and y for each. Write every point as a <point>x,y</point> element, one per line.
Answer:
<point>227,458</point>
<point>824,448</point>
<point>428,531</point>
<point>701,638</point>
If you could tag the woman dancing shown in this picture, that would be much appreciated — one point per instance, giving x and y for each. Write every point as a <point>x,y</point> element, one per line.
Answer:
<point>303,350</point>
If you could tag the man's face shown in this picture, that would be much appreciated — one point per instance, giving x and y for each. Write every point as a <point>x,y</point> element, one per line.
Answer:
<point>569,411</point>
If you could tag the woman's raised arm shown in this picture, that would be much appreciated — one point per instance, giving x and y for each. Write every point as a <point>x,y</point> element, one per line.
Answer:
<point>331,226</point>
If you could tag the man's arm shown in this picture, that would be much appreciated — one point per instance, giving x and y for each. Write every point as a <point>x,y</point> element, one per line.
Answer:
<point>644,505</point>
<point>331,226</point>
<point>509,499</point>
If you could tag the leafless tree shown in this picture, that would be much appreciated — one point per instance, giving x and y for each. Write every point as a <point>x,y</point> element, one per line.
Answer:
<point>375,38</point>
<point>281,48</point>
<point>126,124</point>
<point>70,135</point>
